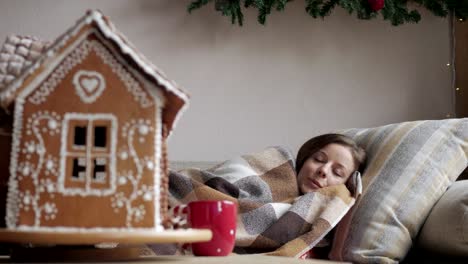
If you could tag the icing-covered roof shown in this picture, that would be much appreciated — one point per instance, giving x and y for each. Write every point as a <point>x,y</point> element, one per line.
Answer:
<point>17,53</point>
<point>22,56</point>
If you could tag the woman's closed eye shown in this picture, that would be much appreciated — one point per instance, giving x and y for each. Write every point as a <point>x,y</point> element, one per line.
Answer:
<point>339,173</point>
<point>320,158</point>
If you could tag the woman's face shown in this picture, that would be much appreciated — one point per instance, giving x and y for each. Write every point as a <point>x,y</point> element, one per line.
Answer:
<point>331,165</point>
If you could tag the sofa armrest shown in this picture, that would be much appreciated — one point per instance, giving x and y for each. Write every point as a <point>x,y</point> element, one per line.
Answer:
<point>446,228</point>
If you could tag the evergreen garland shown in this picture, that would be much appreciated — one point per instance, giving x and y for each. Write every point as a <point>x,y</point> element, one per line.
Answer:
<point>396,11</point>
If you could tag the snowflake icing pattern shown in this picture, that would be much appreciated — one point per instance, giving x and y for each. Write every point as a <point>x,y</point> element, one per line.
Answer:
<point>47,185</point>
<point>24,169</point>
<point>146,192</point>
<point>50,211</point>
<point>118,201</point>
<point>25,200</point>
<point>139,213</point>
<point>51,165</point>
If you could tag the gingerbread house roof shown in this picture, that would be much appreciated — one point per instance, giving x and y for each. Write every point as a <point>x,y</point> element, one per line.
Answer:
<point>17,53</point>
<point>21,56</point>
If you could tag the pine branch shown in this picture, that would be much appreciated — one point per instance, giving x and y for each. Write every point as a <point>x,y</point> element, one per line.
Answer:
<point>230,8</point>
<point>281,4</point>
<point>313,7</point>
<point>327,7</point>
<point>437,7</point>
<point>395,11</point>
<point>197,4</point>
<point>248,3</point>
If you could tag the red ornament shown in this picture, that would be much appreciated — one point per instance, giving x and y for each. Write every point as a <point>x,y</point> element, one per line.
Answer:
<point>376,5</point>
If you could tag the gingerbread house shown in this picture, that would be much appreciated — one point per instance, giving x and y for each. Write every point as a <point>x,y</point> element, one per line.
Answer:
<point>91,117</point>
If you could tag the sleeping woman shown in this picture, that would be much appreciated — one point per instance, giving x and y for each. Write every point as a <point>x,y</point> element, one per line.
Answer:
<point>327,160</point>
<point>286,205</point>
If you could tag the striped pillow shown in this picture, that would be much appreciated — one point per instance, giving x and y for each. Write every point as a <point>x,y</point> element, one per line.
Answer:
<point>410,165</point>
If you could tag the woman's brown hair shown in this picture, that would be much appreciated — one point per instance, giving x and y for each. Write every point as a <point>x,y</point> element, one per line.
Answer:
<point>317,143</point>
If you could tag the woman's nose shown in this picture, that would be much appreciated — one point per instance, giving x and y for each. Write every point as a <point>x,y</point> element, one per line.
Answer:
<point>323,171</point>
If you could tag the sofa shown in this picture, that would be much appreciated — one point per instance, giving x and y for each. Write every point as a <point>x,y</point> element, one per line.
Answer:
<point>414,206</point>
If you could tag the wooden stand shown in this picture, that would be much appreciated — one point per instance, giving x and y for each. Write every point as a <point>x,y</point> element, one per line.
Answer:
<point>74,254</point>
<point>47,246</point>
<point>97,237</point>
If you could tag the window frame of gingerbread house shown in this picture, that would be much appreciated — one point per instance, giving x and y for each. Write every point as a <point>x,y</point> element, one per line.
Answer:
<point>91,153</point>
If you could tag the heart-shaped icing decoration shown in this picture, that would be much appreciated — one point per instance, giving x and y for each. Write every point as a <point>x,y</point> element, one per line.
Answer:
<point>89,85</point>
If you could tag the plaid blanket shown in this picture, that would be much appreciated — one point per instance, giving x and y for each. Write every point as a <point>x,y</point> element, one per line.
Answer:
<point>273,218</point>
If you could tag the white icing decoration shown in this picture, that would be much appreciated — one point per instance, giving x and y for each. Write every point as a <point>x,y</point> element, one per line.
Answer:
<point>123,155</point>
<point>50,211</point>
<point>26,170</point>
<point>157,173</point>
<point>89,85</point>
<point>135,213</point>
<point>48,208</point>
<point>31,197</point>
<point>143,129</point>
<point>40,150</point>
<point>52,124</point>
<point>138,213</point>
<point>150,165</point>
<point>30,147</point>
<point>49,165</point>
<point>50,188</point>
<point>122,180</point>
<point>25,200</point>
<point>85,157</point>
<point>147,197</point>
<point>93,84</point>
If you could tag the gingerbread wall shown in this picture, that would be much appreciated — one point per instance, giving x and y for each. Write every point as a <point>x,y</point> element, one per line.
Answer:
<point>5,145</point>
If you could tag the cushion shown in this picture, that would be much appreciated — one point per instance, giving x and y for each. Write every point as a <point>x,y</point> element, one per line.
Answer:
<point>410,166</point>
<point>446,228</point>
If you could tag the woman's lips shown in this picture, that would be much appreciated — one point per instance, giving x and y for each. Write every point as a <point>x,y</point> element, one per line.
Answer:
<point>315,184</point>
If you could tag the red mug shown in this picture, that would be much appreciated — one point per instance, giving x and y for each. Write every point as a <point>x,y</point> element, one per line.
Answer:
<point>219,217</point>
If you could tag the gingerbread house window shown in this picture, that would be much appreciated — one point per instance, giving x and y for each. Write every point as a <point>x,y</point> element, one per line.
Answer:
<point>100,136</point>
<point>79,169</point>
<point>80,136</point>
<point>87,154</point>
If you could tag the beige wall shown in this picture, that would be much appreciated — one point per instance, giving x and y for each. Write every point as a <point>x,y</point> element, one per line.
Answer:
<point>257,86</point>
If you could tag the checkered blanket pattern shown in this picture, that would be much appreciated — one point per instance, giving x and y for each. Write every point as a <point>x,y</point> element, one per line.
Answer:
<point>273,217</point>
